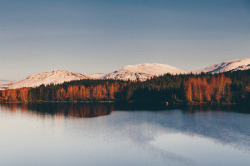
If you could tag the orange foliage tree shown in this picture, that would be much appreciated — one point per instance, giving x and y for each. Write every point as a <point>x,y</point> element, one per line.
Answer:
<point>207,89</point>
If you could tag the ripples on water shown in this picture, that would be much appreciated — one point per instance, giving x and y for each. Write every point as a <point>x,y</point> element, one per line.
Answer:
<point>64,134</point>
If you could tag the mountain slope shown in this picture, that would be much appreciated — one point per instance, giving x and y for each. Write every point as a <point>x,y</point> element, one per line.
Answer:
<point>97,75</point>
<point>232,65</point>
<point>5,82</point>
<point>55,77</point>
<point>142,72</point>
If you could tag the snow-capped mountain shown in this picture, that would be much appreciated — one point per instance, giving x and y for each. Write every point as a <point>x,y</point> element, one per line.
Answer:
<point>54,77</point>
<point>142,72</point>
<point>97,75</point>
<point>232,65</point>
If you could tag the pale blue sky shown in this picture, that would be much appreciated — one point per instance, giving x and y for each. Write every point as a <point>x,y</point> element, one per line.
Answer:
<point>90,36</point>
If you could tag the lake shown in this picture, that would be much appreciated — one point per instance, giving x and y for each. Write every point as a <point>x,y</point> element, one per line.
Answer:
<point>63,134</point>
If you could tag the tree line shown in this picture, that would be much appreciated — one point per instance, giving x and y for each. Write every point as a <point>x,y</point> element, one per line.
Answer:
<point>225,88</point>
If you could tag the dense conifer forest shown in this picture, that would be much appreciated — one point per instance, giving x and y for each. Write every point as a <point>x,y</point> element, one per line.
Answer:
<point>222,88</point>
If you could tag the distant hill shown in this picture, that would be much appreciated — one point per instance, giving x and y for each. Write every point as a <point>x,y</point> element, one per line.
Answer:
<point>232,65</point>
<point>97,75</point>
<point>54,77</point>
<point>143,72</point>
<point>140,72</point>
<point>5,82</point>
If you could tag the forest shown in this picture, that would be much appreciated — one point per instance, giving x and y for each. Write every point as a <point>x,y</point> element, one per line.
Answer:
<point>188,89</point>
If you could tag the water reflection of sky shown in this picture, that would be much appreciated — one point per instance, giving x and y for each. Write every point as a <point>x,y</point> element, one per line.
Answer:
<point>143,138</point>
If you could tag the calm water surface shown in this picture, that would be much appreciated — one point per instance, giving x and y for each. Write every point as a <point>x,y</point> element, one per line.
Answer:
<point>102,134</point>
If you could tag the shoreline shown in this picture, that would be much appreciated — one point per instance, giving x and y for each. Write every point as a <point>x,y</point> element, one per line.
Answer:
<point>129,102</point>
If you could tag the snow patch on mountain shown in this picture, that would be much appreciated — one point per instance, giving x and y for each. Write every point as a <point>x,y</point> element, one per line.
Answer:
<point>232,65</point>
<point>5,81</point>
<point>143,72</point>
<point>97,75</point>
<point>46,78</point>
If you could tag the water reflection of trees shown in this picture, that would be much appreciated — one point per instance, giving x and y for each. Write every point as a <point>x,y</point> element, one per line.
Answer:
<point>77,110</point>
<point>80,110</point>
<point>189,109</point>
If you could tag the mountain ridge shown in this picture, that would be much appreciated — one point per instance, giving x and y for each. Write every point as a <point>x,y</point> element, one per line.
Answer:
<point>2,81</point>
<point>231,65</point>
<point>143,71</point>
<point>140,72</point>
<point>55,77</point>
